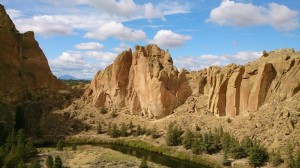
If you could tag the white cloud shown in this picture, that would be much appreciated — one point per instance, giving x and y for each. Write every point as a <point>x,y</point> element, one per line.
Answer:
<point>122,47</point>
<point>13,13</point>
<point>116,30</point>
<point>169,39</point>
<point>204,61</point>
<point>82,65</point>
<point>49,25</point>
<point>101,56</point>
<point>246,14</point>
<point>89,46</point>
<point>131,10</point>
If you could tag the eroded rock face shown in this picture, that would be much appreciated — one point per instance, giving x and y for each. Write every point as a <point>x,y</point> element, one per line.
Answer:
<point>24,68</point>
<point>234,89</point>
<point>144,81</point>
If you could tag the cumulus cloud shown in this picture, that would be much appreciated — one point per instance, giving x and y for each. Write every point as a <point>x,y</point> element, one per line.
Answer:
<point>204,61</point>
<point>49,25</point>
<point>169,39</point>
<point>89,46</point>
<point>246,14</point>
<point>88,15</point>
<point>131,10</point>
<point>122,47</point>
<point>13,13</point>
<point>118,31</point>
<point>82,65</point>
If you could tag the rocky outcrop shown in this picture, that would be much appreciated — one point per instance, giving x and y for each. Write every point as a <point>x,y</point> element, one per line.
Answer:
<point>234,89</point>
<point>145,82</point>
<point>24,69</point>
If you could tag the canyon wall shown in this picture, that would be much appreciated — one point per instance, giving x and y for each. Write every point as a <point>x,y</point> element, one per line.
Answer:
<point>145,82</point>
<point>236,89</point>
<point>24,69</point>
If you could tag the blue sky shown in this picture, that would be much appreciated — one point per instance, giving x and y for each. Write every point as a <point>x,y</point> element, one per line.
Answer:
<point>80,37</point>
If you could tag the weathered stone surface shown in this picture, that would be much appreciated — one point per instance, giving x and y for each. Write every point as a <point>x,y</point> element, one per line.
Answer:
<point>144,81</point>
<point>24,69</point>
<point>233,89</point>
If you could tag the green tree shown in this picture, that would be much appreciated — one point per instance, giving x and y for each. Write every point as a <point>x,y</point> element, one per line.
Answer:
<point>49,162</point>
<point>123,130</point>
<point>247,143</point>
<point>58,162</point>
<point>21,164</point>
<point>196,146</point>
<point>35,164</point>
<point>60,145</point>
<point>258,156</point>
<point>138,131</point>
<point>275,158</point>
<point>173,135</point>
<point>131,126</point>
<point>144,164</point>
<point>102,110</point>
<point>154,133</point>
<point>187,139</point>
<point>115,131</point>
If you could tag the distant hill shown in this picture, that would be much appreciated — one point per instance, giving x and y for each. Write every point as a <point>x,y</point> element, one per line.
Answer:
<point>67,77</point>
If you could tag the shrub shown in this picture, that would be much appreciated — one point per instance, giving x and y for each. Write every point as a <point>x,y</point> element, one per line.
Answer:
<point>102,110</point>
<point>275,158</point>
<point>49,162</point>
<point>173,135</point>
<point>187,139</point>
<point>258,156</point>
<point>58,162</point>
<point>138,131</point>
<point>196,147</point>
<point>60,145</point>
<point>123,130</point>
<point>113,113</point>
<point>115,131</point>
<point>144,164</point>
<point>35,164</point>
<point>154,133</point>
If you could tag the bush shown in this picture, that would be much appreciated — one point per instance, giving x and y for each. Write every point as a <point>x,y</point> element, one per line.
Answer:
<point>275,158</point>
<point>173,135</point>
<point>58,162</point>
<point>123,130</point>
<point>258,156</point>
<point>115,131</point>
<point>60,145</point>
<point>35,164</point>
<point>187,139</point>
<point>49,162</point>
<point>196,147</point>
<point>102,110</point>
<point>225,161</point>
<point>138,131</point>
<point>144,164</point>
<point>114,113</point>
<point>154,133</point>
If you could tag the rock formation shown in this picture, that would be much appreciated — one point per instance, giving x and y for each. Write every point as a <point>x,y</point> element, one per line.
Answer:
<point>24,69</point>
<point>145,82</point>
<point>236,89</point>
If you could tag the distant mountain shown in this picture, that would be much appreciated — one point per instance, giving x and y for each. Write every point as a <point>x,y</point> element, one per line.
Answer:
<point>67,77</point>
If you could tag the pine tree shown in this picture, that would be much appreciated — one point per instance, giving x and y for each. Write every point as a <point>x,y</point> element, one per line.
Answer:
<point>35,164</point>
<point>114,131</point>
<point>109,128</point>
<point>123,130</point>
<point>49,162</point>
<point>258,156</point>
<point>57,162</point>
<point>138,130</point>
<point>187,139</point>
